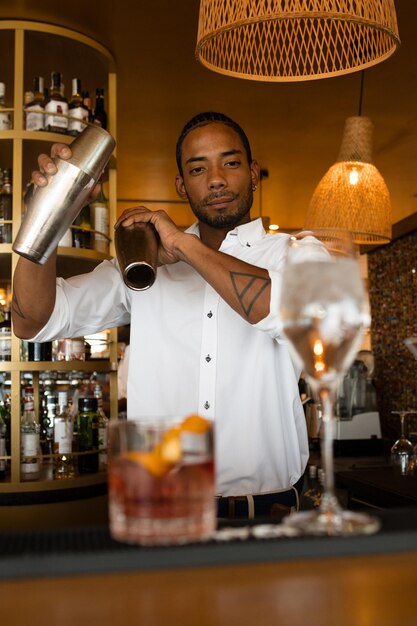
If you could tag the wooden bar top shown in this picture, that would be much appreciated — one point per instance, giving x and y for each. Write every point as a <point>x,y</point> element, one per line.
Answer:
<point>83,577</point>
<point>350,591</point>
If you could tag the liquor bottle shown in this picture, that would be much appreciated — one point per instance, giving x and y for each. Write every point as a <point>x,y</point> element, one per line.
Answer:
<point>5,117</point>
<point>5,335</point>
<point>39,351</point>
<point>77,111</point>
<point>88,435</point>
<point>48,423</point>
<point>6,206</point>
<point>100,115</point>
<point>88,103</point>
<point>103,421</point>
<point>29,439</point>
<point>81,237</point>
<point>5,410</point>
<point>56,107</point>
<point>3,433</point>
<point>64,466</point>
<point>35,110</point>
<point>100,220</point>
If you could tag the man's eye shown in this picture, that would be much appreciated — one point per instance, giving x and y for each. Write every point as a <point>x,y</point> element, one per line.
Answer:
<point>196,170</point>
<point>233,163</point>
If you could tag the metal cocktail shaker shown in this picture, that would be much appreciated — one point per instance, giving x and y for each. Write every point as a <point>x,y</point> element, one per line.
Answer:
<point>137,254</point>
<point>53,208</point>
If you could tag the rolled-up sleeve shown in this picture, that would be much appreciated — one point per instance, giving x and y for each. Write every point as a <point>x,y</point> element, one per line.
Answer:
<point>88,303</point>
<point>271,324</point>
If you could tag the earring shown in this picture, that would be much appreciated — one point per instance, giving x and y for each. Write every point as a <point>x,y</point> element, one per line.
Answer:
<point>254,187</point>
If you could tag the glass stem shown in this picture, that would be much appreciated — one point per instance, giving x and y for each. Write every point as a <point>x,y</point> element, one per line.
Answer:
<point>328,500</point>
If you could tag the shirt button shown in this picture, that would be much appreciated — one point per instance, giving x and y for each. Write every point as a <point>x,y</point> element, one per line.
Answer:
<point>208,358</point>
<point>209,314</point>
<point>207,405</point>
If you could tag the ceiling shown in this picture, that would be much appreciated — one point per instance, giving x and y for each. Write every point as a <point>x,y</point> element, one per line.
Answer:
<point>295,128</point>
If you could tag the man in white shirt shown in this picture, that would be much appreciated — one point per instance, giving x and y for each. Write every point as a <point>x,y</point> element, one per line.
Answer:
<point>205,338</point>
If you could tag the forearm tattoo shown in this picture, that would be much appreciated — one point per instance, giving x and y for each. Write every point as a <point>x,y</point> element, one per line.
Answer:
<point>248,288</point>
<point>16,307</point>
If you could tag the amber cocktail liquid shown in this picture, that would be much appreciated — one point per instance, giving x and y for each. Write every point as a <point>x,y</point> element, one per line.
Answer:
<point>161,481</point>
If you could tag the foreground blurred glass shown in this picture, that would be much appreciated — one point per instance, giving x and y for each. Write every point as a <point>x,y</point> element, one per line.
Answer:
<point>324,311</point>
<point>161,480</point>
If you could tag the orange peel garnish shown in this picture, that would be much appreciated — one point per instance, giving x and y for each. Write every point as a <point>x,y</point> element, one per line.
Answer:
<point>195,424</point>
<point>167,454</point>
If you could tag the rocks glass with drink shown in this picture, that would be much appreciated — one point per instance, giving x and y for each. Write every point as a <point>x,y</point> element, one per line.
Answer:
<point>161,480</point>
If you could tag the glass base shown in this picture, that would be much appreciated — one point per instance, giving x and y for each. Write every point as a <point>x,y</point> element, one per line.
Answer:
<point>331,523</point>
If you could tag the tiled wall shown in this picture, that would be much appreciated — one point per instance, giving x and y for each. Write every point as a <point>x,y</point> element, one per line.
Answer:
<point>392,274</point>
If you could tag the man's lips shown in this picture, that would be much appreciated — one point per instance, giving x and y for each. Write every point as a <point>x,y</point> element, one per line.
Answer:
<point>220,202</point>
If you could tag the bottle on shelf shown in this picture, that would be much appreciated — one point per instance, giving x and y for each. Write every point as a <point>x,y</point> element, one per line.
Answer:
<point>35,109</point>
<point>88,103</point>
<point>81,237</point>
<point>5,116</point>
<point>5,335</point>
<point>39,351</point>
<point>3,447</point>
<point>48,423</point>
<point>103,421</point>
<point>5,414</point>
<point>6,206</point>
<point>88,435</point>
<point>100,115</point>
<point>30,464</point>
<point>77,110</point>
<point>56,107</point>
<point>100,220</point>
<point>64,464</point>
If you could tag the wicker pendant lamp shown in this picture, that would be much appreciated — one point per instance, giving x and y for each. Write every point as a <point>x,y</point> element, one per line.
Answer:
<point>352,194</point>
<point>295,40</point>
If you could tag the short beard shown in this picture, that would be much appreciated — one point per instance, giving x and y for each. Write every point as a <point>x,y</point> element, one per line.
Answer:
<point>220,219</point>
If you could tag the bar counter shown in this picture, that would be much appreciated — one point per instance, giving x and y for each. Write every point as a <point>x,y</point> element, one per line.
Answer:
<point>81,576</point>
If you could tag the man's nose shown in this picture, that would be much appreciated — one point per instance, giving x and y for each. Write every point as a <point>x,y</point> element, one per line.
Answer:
<point>216,179</point>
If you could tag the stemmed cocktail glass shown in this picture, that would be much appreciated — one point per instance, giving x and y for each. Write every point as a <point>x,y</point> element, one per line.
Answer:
<point>402,450</point>
<point>324,310</point>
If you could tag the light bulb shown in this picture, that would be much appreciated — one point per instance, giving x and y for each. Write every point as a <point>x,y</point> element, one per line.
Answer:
<point>353,176</point>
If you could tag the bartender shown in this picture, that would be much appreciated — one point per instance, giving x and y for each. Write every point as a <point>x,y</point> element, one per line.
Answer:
<point>206,337</point>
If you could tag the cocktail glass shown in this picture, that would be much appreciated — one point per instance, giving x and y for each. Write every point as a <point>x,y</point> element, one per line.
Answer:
<point>161,480</point>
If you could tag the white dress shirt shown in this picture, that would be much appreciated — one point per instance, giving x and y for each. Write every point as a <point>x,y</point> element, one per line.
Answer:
<point>191,353</point>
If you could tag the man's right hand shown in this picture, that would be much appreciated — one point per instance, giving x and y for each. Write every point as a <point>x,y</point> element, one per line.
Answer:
<point>47,165</point>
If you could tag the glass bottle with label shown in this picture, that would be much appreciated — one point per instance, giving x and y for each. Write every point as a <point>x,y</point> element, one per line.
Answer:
<point>48,423</point>
<point>100,220</point>
<point>56,107</point>
<point>103,421</point>
<point>35,110</point>
<point>77,111</point>
<point>88,435</point>
<point>6,199</point>
<point>29,439</point>
<point>5,335</point>
<point>64,466</point>
<point>5,116</point>
<point>100,115</point>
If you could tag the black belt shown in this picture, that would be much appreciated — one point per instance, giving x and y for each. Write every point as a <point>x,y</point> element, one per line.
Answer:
<point>276,504</point>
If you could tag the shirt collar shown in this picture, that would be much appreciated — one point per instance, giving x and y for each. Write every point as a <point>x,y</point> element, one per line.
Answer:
<point>246,234</point>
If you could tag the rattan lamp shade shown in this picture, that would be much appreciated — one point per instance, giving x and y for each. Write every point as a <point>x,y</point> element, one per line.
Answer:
<point>352,195</point>
<point>294,40</point>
